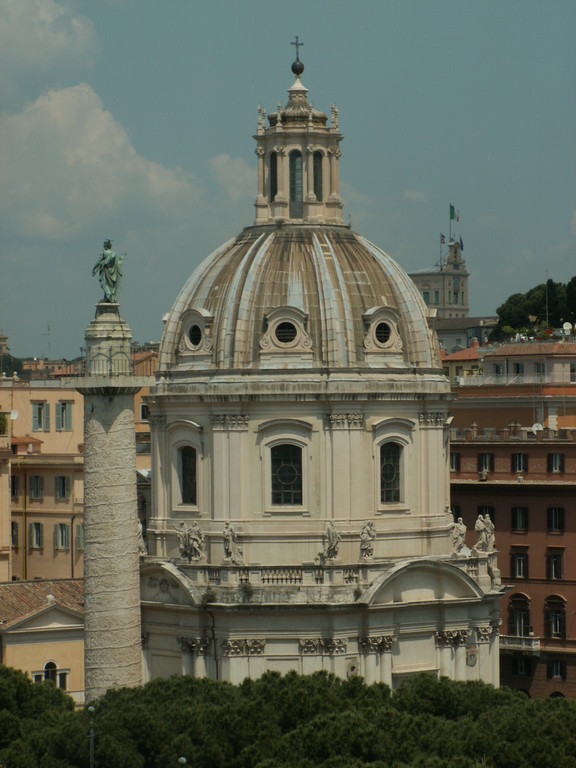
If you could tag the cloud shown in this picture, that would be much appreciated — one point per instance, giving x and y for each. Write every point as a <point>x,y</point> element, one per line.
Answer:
<point>67,163</point>
<point>234,176</point>
<point>41,40</point>
<point>414,196</point>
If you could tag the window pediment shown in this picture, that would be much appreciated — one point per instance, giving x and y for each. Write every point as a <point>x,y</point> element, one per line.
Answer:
<point>286,332</point>
<point>196,335</point>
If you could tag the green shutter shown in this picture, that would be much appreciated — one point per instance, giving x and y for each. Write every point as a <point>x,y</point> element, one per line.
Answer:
<point>56,537</point>
<point>41,531</point>
<point>46,417</point>
<point>58,412</point>
<point>80,537</point>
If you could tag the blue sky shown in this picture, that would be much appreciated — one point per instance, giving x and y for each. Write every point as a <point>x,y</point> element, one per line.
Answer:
<point>133,119</point>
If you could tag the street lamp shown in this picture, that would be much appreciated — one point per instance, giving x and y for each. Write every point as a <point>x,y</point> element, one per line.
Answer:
<point>182,760</point>
<point>91,711</point>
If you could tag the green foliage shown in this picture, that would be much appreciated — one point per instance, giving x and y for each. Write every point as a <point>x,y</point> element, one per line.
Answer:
<point>547,305</point>
<point>315,721</point>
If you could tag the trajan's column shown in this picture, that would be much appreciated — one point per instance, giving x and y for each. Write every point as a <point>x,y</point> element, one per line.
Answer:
<point>112,654</point>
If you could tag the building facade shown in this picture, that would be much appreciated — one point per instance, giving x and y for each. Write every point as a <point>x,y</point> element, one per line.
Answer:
<point>513,458</point>
<point>300,515</point>
<point>445,286</point>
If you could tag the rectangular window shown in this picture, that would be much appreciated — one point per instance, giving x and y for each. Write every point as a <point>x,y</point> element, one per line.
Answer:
<point>436,297</point>
<point>555,519</point>
<point>143,444</point>
<point>454,462</point>
<point>286,471</point>
<point>485,462</point>
<point>498,369</point>
<point>519,462</point>
<point>14,535</point>
<point>40,417</point>
<point>64,416</point>
<point>14,486</point>
<point>521,665</point>
<point>426,296</point>
<point>557,668</point>
<point>35,535</point>
<point>62,487</point>
<point>555,463</point>
<point>61,536</point>
<point>455,297</point>
<point>572,372</point>
<point>487,509</point>
<point>519,518</point>
<point>554,563</point>
<point>519,565</point>
<point>456,512</point>
<point>144,412</point>
<point>539,368</point>
<point>518,369</point>
<point>36,487</point>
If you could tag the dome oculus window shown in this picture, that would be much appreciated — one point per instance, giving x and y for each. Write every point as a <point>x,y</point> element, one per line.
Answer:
<point>285,332</point>
<point>381,325</point>
<point>382,333</point>
<point>195,335</point>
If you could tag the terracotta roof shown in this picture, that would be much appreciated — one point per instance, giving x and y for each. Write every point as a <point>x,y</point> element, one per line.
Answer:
<point>471,353</point>
<point>19,599</point>
<point>534,349</point>
<point>25,440</point>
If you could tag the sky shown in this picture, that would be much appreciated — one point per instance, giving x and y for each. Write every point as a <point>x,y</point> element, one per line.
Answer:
<point>133,120</point>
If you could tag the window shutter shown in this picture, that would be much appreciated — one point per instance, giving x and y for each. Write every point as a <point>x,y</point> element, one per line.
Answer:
<point>58,412</point>
<point>40,486</point>
<point>66,536</point>
<point>35,417</point>
<point>56,537</point>
<point>80,537</point>
<point>57,487</point>
<point>30,535</point>
<point>46,417</point>
<point>40,535</point>
<point>67,486</point>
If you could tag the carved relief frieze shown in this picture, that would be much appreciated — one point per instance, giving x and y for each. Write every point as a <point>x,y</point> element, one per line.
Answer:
<point>452,637</point>
<point>194,645</point>
<point>323,646</point>
<point>377,643</point>
<point>229,422</point>
<point>243,647</point>
<point>431,419</point>
<point>484,633</point>
<point>345,421</point>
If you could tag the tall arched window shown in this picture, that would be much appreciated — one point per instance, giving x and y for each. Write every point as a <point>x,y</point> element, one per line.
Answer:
<point>390,472</point>
<point>296,210</point>
<point>188,475</point>
<point>318,175</point>
<point>50,670</point>
<point>519,616</point>
<point>555,618</point>
<point>273,176</point>
<point>286,470</point>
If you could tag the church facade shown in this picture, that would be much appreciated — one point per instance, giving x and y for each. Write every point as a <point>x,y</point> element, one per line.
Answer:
<point>300,452</point>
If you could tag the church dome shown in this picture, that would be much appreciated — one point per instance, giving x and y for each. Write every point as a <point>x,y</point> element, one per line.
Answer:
<point>299,290</point>
<point>298,296</point>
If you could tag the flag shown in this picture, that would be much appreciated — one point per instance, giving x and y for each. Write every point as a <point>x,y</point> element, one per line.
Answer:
<point>442,239</point>
<point>452,213</point>
<point>458,214</point>
<point>461,245</point>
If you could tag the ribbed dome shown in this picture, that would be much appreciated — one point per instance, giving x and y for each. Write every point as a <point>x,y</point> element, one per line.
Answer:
<point>298,297</point>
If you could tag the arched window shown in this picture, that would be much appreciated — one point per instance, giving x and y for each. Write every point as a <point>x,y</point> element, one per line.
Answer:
<point>188,475</point>
<point>519,616</point>
<point>390,472</point>
<point>318,175</point>
<point>286,471</point>
<point>50,670</point>
<point>273,176</point>
<point>296,210</point>
<point>555,618</point>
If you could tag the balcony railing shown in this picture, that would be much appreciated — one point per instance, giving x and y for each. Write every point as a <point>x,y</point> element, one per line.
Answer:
<point>528,644</point>
<point>513,379</point>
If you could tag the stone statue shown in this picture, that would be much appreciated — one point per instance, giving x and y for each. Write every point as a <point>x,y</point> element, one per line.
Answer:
<point>331,540</point>
<point>142,548</point>
<point>490,537</point>
<point>367,538</point>
<point>109,269</point>
<point>232,550</point>
<point>191,541</point>
<point>458,536</point>
<point>480,528</point>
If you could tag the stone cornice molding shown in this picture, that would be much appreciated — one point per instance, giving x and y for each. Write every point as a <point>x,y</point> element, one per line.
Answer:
<point>452,637</point>
<point>243,647</point>
<point>344,421</point>
<point>313,646</point>
<point>194,645</point>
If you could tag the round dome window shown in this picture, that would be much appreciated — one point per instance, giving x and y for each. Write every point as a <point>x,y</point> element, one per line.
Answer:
<point>285,332</point>
<point>382,333</point>
<point>195,335</point>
